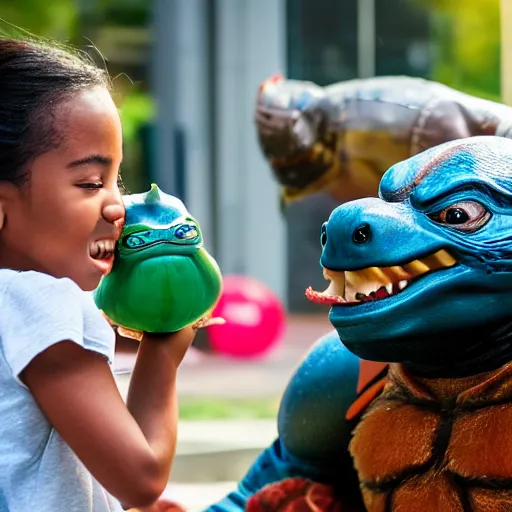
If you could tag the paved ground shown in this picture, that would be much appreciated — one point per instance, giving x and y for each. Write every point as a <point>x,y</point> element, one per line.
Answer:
<point>216,451</point>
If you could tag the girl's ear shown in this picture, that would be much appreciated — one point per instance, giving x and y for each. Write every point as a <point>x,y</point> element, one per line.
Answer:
<point>8,192</point>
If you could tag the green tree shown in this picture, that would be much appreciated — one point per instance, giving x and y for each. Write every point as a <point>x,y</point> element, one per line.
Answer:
<point>54,18</point>
<point>466,39</point>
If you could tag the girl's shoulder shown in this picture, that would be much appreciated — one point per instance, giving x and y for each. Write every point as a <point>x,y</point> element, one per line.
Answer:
<point>36,291</point>
<point>39,310</point>
<point>39,300</point>
<point>14,282</point>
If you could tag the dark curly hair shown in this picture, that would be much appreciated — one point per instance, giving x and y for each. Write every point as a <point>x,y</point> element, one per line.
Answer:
<point>35,77</point>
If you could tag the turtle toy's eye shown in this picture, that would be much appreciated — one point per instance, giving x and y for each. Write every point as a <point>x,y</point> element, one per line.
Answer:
<point>186,232</point>
<point>134,241</point>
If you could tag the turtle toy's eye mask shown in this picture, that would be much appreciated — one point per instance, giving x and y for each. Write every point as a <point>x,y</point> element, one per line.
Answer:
<point>183,232</point>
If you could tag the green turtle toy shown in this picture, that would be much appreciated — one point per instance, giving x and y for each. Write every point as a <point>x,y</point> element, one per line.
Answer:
<point>163,279</point>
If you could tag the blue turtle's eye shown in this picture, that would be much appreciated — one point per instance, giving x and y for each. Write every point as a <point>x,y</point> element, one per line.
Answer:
<point>186,232</point>
<point>134,241</point>
<point>467,216</point>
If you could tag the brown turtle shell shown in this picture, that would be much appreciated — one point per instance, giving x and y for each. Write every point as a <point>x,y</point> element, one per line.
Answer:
<point>440,445</point>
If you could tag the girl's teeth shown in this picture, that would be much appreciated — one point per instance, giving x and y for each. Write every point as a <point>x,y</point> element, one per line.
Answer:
<point>102,249</point>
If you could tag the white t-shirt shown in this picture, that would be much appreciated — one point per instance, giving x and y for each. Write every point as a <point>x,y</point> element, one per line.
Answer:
<point>38,470</point>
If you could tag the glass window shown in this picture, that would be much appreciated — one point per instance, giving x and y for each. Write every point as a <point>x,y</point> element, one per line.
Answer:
<point>402,45</point>
<point>321,40</point>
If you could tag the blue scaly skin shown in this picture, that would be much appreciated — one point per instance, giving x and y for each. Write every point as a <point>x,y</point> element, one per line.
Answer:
<point>453,317</point>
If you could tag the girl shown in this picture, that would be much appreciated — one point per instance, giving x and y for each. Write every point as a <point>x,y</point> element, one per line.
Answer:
<point>68,441</point>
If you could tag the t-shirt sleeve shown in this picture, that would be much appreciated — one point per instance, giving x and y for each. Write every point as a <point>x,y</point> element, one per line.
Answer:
<point>98,334</point>
<point>38,311</point>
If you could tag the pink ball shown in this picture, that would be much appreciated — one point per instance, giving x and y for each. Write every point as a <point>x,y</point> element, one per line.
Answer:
<point>255,319</point>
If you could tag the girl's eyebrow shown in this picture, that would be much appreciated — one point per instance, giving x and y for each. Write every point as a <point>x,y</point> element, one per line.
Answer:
<point>102,160</point>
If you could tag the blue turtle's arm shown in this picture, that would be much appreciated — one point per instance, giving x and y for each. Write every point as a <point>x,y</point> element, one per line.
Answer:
<point>313,432</point>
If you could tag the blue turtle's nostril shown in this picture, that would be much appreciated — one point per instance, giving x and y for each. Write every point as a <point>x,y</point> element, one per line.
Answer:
<point>323,235</point>
<point>361,234</point>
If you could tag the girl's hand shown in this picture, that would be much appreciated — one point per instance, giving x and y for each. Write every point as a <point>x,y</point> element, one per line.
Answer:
<point>177,342</point>
<point>207,321</point>
<point>138,335</point>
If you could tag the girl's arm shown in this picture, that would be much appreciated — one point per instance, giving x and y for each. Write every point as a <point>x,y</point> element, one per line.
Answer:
<point>128,447</point>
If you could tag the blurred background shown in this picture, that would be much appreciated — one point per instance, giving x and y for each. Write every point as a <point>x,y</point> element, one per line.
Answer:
<point>186,74</point>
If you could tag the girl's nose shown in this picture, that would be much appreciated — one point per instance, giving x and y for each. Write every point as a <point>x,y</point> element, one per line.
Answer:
<point>114,213</point>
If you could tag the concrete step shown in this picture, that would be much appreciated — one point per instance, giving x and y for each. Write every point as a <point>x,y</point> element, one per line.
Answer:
<point>216,451</point>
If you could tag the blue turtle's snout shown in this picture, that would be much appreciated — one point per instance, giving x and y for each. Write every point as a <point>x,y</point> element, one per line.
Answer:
<point>360,235</point>
<point>347,235</point>
<point>371,232</point>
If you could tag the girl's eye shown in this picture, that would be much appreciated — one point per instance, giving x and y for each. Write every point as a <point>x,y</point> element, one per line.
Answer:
<point>91,185</point>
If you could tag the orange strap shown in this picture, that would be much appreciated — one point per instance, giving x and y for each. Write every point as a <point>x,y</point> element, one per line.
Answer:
<point>365,399</point>
<point>368,371</point>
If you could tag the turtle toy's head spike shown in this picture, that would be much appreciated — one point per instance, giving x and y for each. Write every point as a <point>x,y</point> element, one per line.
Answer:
<point>153,196</point>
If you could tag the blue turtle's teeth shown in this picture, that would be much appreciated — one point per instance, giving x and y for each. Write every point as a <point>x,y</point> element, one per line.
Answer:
<point>376,283</point>
<point>382,293</point>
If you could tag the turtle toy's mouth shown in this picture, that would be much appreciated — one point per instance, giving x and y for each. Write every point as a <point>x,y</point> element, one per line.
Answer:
<point>353,287</point>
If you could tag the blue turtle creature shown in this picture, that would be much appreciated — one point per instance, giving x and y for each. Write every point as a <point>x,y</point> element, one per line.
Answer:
<point>407,405</point>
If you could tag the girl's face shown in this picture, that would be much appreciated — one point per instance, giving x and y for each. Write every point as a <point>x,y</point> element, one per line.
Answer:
<point>66,219</point>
